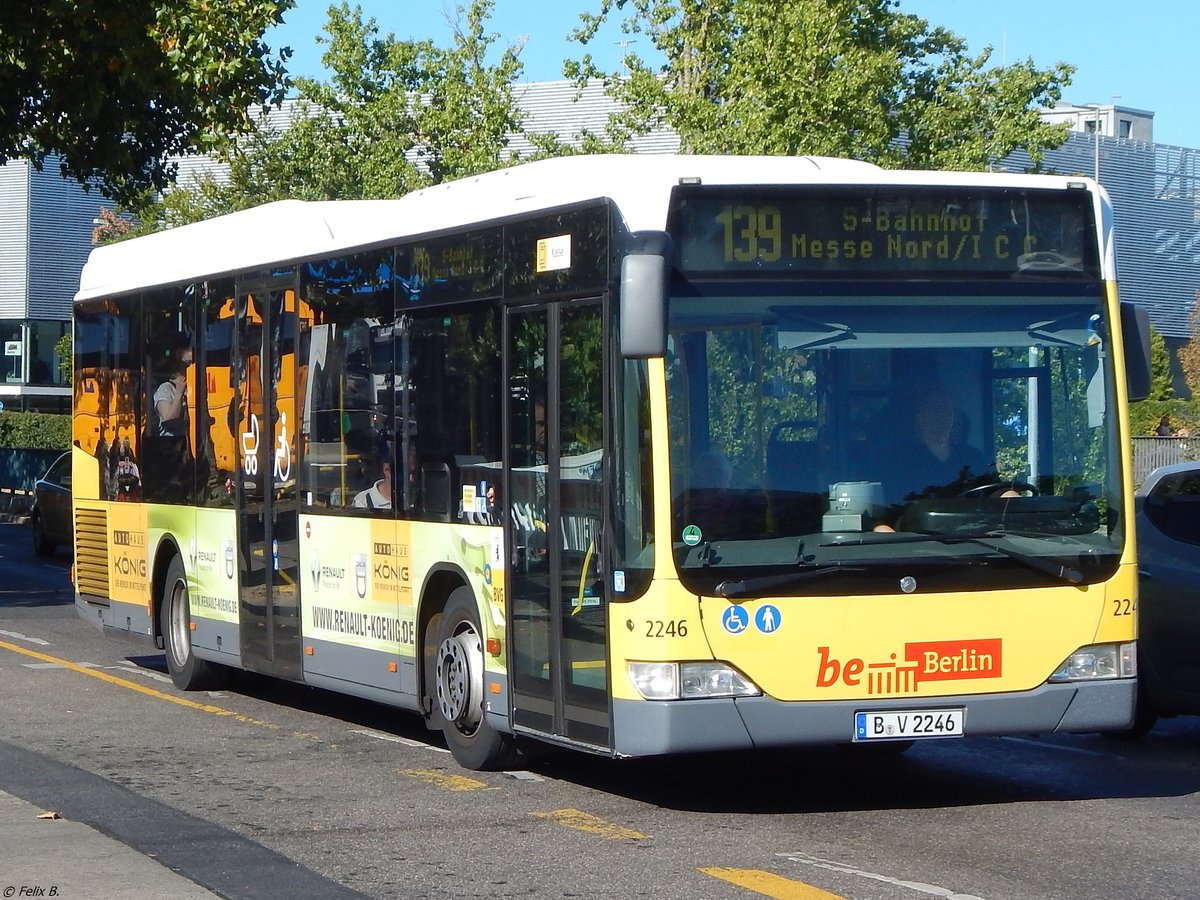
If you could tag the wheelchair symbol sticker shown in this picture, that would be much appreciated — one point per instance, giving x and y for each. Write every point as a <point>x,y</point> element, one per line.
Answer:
<point>735,620</point>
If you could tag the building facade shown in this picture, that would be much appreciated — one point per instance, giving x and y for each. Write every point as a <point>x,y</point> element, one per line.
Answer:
<point>1155,189</point>
<point>45,237</point>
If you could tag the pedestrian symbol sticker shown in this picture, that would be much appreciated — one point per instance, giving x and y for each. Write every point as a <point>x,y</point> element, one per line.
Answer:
<point>735,619</point>
<point>691,535</point>
<point>768,619</point>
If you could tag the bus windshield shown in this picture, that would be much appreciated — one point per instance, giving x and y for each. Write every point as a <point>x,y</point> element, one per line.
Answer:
<point>837,437</point>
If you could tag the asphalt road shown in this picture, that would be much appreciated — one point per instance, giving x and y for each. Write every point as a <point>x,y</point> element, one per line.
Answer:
<point>268,789</point>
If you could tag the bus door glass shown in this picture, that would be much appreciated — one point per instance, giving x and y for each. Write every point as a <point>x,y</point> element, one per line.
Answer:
<point>264,363</point>
<point>555,419</point>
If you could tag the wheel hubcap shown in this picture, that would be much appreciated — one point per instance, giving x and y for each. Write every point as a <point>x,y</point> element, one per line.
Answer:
<point>179,638</point>
<point>460,679</point>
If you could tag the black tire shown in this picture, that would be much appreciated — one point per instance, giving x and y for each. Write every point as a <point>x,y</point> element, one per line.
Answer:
<point>187,671</point>
<point>42,545</point>
<point>454,680</point>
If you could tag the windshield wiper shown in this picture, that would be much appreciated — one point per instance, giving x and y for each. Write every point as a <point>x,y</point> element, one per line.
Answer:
<point>748,586</point>
<point>1052,566</point>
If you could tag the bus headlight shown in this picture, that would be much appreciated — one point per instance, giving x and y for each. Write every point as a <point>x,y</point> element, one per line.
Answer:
<point>689,680</point>
<point>1098,662</point>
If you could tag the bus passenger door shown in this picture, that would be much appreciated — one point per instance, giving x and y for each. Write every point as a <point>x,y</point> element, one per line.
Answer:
<point>557,601</point>
<point>264,363</point>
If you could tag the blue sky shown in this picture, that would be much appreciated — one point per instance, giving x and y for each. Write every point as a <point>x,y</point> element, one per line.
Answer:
<point>1141,55</point>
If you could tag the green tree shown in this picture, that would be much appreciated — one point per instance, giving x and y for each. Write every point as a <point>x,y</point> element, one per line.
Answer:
<point>64,348</point>
<point>1160,368</point>
<point>1145,416</point>
<point>393,117</point>
<point>113,90</point>
<point>202,197</point>
<point>1189,353</point>
<point>852,78</point>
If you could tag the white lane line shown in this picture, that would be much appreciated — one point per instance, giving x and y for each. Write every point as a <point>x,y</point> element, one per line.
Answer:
<point>919,887</point>
<point>16,635</point>
<point>145,673</point>
<point>396,739</point>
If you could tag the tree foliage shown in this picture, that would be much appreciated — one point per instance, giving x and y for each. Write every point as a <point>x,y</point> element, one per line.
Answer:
<point>1182,415</point>
<point>35,431</point>
<point>1160,368</point>
<point>108,227</point>
<point>113,90</point>
<point>851,78</point>
<point>394,116</point>
<point>1189,353</point>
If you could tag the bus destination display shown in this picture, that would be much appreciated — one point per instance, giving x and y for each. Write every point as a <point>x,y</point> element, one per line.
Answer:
<point>922,232</point>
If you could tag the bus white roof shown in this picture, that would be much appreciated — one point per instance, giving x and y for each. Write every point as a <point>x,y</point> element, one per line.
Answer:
<point>291,230</point>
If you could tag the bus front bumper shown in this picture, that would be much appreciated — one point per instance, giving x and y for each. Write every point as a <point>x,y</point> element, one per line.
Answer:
<point>652,728</point>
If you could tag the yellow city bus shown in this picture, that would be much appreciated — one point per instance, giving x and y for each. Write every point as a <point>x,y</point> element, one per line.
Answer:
<point>635,455</point>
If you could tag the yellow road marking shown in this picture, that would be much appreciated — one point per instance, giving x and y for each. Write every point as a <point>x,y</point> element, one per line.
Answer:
<point>443,780</point>
<point>770,885</point>
<point>581,821</point>
<point>134,686</point>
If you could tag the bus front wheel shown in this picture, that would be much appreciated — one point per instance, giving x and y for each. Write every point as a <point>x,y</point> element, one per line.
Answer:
<point>187,671</point>
<point>456,687</point>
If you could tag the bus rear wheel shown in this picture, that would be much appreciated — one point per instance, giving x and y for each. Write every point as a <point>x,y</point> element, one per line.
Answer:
<point>455,684</point>
<point>187,671</point>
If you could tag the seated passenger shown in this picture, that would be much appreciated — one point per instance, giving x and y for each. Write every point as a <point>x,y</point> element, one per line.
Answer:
<point>378,495</point>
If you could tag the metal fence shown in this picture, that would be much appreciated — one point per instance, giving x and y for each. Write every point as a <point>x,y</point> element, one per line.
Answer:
<point>1151,452</point>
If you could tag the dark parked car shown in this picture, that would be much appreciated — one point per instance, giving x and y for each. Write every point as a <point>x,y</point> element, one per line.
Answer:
<point>51,514</point>
<point>1168,529</point>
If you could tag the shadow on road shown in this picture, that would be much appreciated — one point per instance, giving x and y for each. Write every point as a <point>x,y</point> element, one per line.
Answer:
<point>936,774</point>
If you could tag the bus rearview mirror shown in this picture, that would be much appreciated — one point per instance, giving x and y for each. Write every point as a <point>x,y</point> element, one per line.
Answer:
<point>1135,332</point>
<point>644,273</point>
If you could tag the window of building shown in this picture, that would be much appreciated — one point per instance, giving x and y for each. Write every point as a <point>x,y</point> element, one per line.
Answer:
<point>1125,128</point>
<point>45,363</point>
<point>13,351</point>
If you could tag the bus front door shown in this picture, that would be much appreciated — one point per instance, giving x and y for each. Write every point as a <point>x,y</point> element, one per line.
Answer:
<point>557,600</point>
<point>264,362</point>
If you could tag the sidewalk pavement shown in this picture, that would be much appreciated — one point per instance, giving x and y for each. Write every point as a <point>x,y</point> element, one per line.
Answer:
<point>60,858</point>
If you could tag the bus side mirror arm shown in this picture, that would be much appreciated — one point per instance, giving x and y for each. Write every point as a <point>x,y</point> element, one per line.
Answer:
<point>645,270</point>
<point>1135,333</point>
